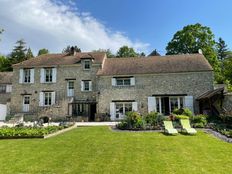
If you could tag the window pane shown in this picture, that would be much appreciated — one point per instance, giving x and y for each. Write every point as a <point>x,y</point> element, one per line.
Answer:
<point>181,102</point>
<point>127,82</point>
<point>119,82</point>
<point>48,75</point>
<point>2,89</point>
<point>174,103</point>
<point>157,105</point>
<point>71,85</point>
<point>86,85</point>
<point>27,77</point>
<point>87,64</point>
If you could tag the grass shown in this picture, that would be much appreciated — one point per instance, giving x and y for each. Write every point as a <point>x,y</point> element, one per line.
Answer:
<point>100,150</point>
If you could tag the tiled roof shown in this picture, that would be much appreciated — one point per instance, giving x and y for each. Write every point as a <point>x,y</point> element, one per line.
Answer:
<point>155,64</point>
<point>6,77</point>
<point>61,59</point>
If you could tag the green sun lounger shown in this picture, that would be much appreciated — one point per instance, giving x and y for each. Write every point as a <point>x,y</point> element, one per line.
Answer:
<point>169,128</point>
<point>186,126</point>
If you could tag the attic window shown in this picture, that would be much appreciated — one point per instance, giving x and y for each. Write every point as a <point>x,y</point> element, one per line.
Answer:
<point>86,64</point>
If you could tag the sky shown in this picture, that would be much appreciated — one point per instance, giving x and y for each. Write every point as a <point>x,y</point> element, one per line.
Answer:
<point>144,25</point>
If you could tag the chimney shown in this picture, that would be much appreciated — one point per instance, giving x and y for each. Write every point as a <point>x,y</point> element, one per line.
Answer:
<point>72,51</point>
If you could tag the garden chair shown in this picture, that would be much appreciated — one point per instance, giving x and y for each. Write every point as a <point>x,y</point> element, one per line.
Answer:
<point>186,126</point>
<point>169,128</point>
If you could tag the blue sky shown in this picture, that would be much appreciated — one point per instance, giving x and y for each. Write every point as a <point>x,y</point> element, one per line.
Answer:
<point>142,24</point>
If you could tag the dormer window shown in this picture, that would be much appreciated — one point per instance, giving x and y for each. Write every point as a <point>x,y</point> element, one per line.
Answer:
<point>86,64</point>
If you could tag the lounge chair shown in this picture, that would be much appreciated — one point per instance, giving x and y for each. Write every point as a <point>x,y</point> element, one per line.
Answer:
<point>186,126</point>
<point>169,128</point>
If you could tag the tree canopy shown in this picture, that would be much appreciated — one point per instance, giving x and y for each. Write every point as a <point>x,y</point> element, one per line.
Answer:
<point>125,51</point>
<point>43,51</point>
<point>68,49</point>
<point>221,49</point>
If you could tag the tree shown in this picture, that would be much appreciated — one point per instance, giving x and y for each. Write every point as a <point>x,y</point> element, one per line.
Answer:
<point>43,51</point>
<point>29,53</point>
<point>154,53</point>
<point>192,38</point>
<point>68,49</point>
<point>125,51</point>
<point>221,49</point>
<point>19,52</point>
<point>1,31</point>
<point>108,52</point>
<point>5,64</point>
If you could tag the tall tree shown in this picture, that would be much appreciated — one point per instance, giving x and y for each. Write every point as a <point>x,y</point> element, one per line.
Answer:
<point>108,52</point>
<point>19,52</point>
<point>221,49</point>
<point>43,51</point>
<point>29,53</point>
<point>125,51</point>
<point>192,38</point>
<point>154,53</point>
<point>68,49</point>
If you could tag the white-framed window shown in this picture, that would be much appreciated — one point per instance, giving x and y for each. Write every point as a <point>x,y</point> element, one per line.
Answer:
<point>122,108</point>
<point>26,75</point>
<point>70,88</point>
<point>123,81</point>
<point>86,85</point>
<point>47,98</point>
<point>26,103</point>
<point>48,75</point>
<point>86,64</point>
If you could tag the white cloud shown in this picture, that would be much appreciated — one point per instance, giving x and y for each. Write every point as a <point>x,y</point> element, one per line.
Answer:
<point>44,23</point>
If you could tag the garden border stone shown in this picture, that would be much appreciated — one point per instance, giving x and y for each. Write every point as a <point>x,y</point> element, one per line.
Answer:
<point>218,135</point>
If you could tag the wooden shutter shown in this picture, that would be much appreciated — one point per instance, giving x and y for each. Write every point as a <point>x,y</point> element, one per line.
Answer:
<point>53,98</point>
<point>41,99</point>
<point>113,81</point>
<point>112,111</point>
<point>82,85</point>
<point>42,75</point>
<point>188,103</point>
<point>151,104</point>
<point>132,81</point>
<point>54,74</point>
<point>21,76</point>
<point>8,88</point>
<point>135,106</point>
<point>32,74</point>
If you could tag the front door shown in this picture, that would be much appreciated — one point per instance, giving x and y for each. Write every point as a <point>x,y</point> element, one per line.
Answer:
<point>26,103</point>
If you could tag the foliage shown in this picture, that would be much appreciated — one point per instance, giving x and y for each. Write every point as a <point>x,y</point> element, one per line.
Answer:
<point>178,117</point>
<point>153,120</point>
<point>125,51</point>
<point>227,69</point>
<point>29,53</point>
<point>221,49</point>
<point>183,111</point>
<point>192,38</point>
<point>223,129</point>
<point>69,48</point>
<point>28,131</point>
<point>5,64</point>
<point>134,120</point>
<point>108,52</point>
<point>154,53</point>
<point>43,51</point>
<point>199,120</point>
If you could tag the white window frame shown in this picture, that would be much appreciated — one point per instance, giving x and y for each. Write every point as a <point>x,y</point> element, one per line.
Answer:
<point>50,75</point>
<point>70,91</point>
<point>26,75</point>
<point>118,114</point>
<point>89,65</point>
<point>26,106</point>
<point>83,82</point>
<point>123,80</point>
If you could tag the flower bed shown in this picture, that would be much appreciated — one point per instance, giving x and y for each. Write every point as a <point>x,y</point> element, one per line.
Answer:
<point>28,132</point>
<point>222,129</point>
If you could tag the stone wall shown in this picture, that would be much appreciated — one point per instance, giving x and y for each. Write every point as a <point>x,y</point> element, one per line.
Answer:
<point>192,83</point>
<point>60,87</point>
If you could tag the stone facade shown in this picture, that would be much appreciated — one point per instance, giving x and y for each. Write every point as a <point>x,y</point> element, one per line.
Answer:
<point>191,83</point>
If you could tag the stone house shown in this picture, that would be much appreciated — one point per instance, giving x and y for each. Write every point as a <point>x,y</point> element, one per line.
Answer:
<point>5,93</point>
<point>83,85</point>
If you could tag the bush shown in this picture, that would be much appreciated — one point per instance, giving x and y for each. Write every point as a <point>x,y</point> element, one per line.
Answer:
<point>134,120</point>
<point>199,120</point>
<point>178,117</point>
<point>183,111</point>
<point>151,119</point>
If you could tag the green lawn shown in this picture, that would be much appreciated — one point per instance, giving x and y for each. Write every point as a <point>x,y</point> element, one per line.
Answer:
<point>99,150</point>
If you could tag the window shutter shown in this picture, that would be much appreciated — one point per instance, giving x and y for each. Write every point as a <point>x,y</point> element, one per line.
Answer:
<point>42,75</point>
<point>188,103</point>
<point>41,99</point>
<point>113,81</point>
<point>8,88</point>
<point>151,104</point>
<point>132,81</point>
<point>112,111</point>
<point>135,106</point>
<point>54,74</point>
<point>90,85</point>
<point>32,74</point>
<point>21,76</point>
<point>82,86</point>
<point>53,98</point>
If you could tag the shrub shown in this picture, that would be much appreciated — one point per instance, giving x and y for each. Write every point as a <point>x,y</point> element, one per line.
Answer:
<point>183,111</point>
<point>134,120</point>
<point>199,120</point>
<point>178,117</point>
<point>151,118</point>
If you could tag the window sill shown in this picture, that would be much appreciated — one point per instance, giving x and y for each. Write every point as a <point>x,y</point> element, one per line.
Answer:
<point>86,91</point>
<point>124,86</point>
